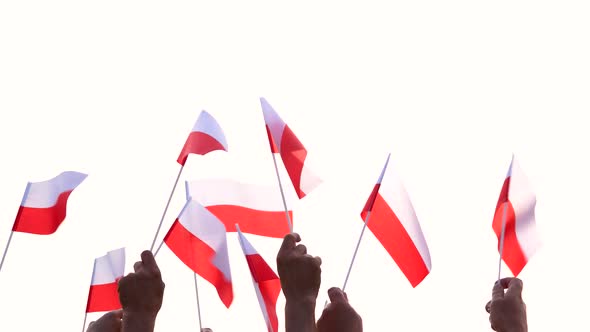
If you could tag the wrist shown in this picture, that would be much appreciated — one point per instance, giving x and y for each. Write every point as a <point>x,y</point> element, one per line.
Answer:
<point>139,321</point>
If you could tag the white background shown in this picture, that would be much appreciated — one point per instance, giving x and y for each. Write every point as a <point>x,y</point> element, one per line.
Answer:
<point>451,88</point>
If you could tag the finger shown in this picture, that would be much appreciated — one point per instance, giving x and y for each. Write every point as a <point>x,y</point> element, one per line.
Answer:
<point>289,242</point>
<point>336,295</point>
<point>90,325</point>
<point>345,296</point>
<point>136,266</point>
<point>301,249</point>
<point>318,260</point>
<point>514,288</point>
<point>489,307</point>
<point>497,291</point>
<point>149,261</point>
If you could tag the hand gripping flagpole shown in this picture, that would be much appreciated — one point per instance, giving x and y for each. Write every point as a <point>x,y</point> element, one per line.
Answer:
<point>274,159</point>
<point>166,208</point>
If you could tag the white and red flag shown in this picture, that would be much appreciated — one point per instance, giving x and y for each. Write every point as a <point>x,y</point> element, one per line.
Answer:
<point>104,294</point>
<point>394,223</point>
<point>199,240</point>
<point>206,136</point>
<point>266,283</point>
<point>284,142</point>
<point>44,204</point>
<point>516,211</point>
<point>257,208</point>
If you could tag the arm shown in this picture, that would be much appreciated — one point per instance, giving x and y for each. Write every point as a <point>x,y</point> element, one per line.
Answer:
<point>300,276</point>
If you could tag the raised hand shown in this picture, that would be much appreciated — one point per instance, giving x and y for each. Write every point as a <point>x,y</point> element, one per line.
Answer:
<point>507,309</point>
<point>141,294</point>
<point>300,275</point>
<point>339,316</point>
<point>109,322</point>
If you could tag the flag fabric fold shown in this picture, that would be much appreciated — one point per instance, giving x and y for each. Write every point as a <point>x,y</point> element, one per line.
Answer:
<point>266,283</point>
<point>199,240</point>
<point>394,223</point>
<point>257,208</point>
<point>283,141</point>
<point>103,294</point>
<point>44,204</point>
<point>517,201</point>
<point>206,136</point>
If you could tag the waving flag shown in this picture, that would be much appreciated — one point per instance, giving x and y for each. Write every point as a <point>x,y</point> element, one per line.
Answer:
<point>257,208</point>
<point>394,223</point>
<point>43,207</point>
<point>266,283</point>
<point>516,206</point>
<point>104,294</point>
<point>198,239</point>
<point>205,137</point>
<point>284,142</point>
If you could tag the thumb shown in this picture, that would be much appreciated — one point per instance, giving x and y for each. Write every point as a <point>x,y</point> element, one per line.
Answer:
<point>337,295</point>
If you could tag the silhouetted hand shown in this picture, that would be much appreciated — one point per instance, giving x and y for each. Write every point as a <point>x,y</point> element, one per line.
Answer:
<point>300,276</point>
<point>206,329</point>
<point>141,294</point>
<point>109,322</point>
<point>339,316</point>
<point>299,272</point>
<point>507,310</point>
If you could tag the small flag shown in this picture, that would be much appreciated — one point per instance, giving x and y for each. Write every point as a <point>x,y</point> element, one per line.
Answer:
<point>266,283</point>
<point>394,223</point>
<point>257,208</point>
<point>198,239</point>
<point>44,204</point>
<point>518,200</point>
<point>104,294</point>
<point>284,142</point>
<point>205,137</point>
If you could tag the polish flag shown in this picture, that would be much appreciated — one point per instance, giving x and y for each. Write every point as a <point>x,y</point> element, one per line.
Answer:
<point>44,204</point>
<point>198,239</point>
<point>284,142</point>
<point>516,208</point>
<point>394,223</point>
<point>257,208</point>
<point>266,283</point>
<point>104,293</point>
<point>205,137</point>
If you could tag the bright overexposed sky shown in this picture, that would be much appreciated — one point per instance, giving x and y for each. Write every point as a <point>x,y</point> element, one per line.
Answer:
<point>450,88</point>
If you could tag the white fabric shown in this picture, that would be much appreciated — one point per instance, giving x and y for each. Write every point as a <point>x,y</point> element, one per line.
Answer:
<point>207,124</point>
<point>274,122</point>
<point>108,268</point>
<point>44,194</point>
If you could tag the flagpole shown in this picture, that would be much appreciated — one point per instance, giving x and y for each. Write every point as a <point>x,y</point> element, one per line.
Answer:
<point>84,325</point>
<point>166,208</point>
<point>274,159</point>
<point>198,304</point>
<point>355,252</point>
<point>356,249</point>
<point>6,249</point>
<point>502,238</point>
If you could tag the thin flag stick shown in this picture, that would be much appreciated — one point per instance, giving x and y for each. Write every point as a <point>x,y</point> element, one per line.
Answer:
<point>356,249</point>
<point>355,252</point>
<point>502,238</point>
<point>274,159</point>
<point>6,249</point>
<point>84,325</point>
<point>198,304</point>
<point>166,208</point>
